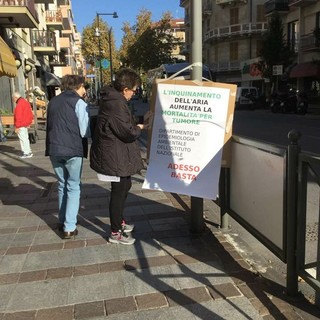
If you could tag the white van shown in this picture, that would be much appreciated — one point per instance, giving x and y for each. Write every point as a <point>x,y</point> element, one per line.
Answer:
<point>246,96</point>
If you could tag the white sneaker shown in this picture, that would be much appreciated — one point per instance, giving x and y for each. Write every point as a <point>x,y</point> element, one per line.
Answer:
<point>121,237</point>
<point>127,228</point>
<point>25,156</point>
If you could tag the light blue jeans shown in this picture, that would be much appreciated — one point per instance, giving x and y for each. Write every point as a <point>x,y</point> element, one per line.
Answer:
<point>68,171</point>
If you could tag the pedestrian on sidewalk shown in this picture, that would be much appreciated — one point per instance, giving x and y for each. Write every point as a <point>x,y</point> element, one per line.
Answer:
<point>23,117</point>
<point>115,153</point>
<point>67,145</point>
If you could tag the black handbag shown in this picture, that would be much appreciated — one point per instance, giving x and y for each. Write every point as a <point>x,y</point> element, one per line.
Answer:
<point>32,138</point>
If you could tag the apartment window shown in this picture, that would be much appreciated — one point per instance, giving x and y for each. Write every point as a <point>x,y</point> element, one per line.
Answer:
<point>318,20</point>
<point>293,35</point>
<point>234,16</point>
<point>261,14</point>
<point>234,51</point>
<point>259,48</point>
<point>208,25</point>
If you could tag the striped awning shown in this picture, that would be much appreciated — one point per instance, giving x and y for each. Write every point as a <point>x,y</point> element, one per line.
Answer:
<point>7,61</point>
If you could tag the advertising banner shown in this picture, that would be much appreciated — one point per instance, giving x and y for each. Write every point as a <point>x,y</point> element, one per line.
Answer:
<point>191,124</point>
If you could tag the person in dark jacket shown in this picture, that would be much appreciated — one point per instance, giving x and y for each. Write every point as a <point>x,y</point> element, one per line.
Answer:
<point>66,145</point>
<point>115,153</point>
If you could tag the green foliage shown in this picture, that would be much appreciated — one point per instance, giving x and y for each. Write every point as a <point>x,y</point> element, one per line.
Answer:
<point>274,50</point>
<point>91,44</point>
<point>147,45</point>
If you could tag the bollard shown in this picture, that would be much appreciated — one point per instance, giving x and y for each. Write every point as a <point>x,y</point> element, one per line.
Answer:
<point>293,151</point>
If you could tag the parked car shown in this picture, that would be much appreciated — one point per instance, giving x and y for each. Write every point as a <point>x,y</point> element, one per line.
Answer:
<point>246,97</point>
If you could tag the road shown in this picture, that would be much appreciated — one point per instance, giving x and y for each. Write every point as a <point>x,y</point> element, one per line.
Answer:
<point>273,128</point>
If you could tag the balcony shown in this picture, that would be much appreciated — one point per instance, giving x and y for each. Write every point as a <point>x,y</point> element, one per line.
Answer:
<point>281,6</point>
<point>183,3</point>
<point>18,14</point>
<point>65,42</point>
<point>236,30</point>
<point>207,10</point>
<point>301,3</point>
<point>54,19</point>
<point>21,45</point>
<point>58,60</point>
<point>67,20</point>
<point>44,42</point>
<point>44,1</point>
<point>226,65</point>
<point>309,42</point>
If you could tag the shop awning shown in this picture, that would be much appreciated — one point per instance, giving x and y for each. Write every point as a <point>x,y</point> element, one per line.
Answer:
<point>51,79</point>
<point>7,62</point>
<point>305,69</point>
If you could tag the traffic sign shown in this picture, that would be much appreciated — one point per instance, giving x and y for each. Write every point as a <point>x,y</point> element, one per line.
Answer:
<point>105,64</point>
<point>91,76</point>
<point>277,70</point>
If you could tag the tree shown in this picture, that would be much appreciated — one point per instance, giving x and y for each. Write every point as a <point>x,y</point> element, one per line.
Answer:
<point>274,50</point>
<point>90,47</point>
<point>148,45</point>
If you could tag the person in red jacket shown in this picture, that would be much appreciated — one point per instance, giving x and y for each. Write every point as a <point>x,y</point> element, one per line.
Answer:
<point>23,117</point>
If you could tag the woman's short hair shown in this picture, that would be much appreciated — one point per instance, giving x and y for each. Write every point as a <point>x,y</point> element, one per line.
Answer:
<point>126,78</point>
<point>71,82</point>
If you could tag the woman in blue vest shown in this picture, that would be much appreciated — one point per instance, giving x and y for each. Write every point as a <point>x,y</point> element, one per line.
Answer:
<point>66,145</point>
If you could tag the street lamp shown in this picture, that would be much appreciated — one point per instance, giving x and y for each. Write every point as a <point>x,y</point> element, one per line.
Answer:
<point>97,34</point>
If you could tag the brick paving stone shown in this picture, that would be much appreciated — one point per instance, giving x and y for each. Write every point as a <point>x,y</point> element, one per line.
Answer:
<point>148,262</point>
<point>96,242</point>
<point>9,278</point>
<point>86,270</point>
<point>120,305</point>
<point>45,227</point>
<point>17,250</point>
<point>270,317</point>
<point>23,315</point>
<point>291,315</point>
<point>57,273</point>
<point>111,266</point>
<point>187,296</point>
<point>243,277</point>
<point>89,310</point>
<point>185,259</point>
<point>151,301</point>
<point>46,247</point>
<point>235,255</point>
<point>244,264</point>
<point>60,313</point>
<point>75,244</point>
<point>27,229</point>
<point>8,230</point>
<point>260,307</point>
<point>252,290</point>
<point>33,276</point>
<point>224,291</point>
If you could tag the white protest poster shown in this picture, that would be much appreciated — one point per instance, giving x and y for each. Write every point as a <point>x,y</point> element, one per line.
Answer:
<point>188,135</point>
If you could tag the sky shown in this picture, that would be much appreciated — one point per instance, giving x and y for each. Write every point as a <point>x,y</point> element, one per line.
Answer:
<point>84,12</point>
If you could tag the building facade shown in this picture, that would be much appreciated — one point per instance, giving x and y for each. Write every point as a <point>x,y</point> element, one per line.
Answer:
<point>43,40</point>
<point>232,31</point>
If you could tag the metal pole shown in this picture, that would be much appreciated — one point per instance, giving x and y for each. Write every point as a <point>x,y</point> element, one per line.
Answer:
<point>224,197</point>
<point>292,173</point>
<point>100,53</point>
<point>110,52</point>
<point>197,221</point>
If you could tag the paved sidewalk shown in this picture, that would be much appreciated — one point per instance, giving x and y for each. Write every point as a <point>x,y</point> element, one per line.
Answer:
<point>168,273</point>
